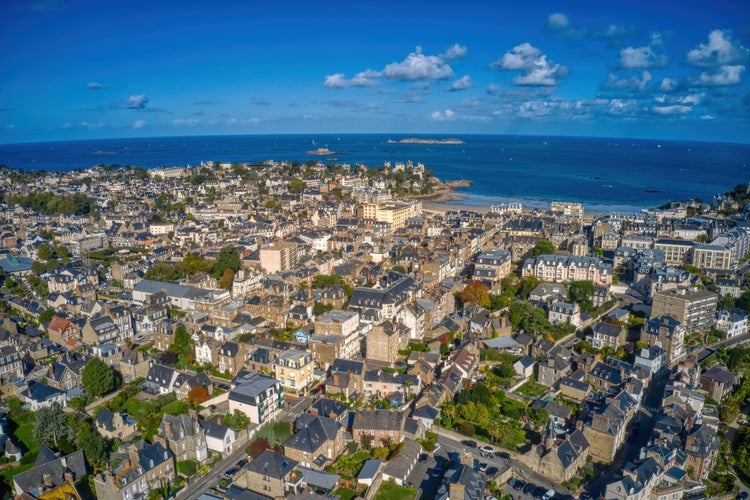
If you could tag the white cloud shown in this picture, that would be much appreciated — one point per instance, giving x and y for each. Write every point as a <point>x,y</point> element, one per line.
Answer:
<point>418,66</point>
<point>622,107</point>
<point>667,84</point>
<point>557,21</point>
<point>537,70</point>
<point>725,75</point>
<point>493,89</point>
<point>463,83</point>
<point>707,117</point>
<point>362,79</point>
<point>91,126</point>
<point>94,86</point>
<point>720,49</point>
<point>189,122</point>
<point>673,109</point>
<point>632,84</point>
<point>443,116</point>
<point>456,51</point>
<point>136,102</point>
<point>139,123</point>
<point>644,57</point>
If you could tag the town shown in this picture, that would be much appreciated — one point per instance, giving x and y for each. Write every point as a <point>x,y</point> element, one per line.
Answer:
<point>313,330</point>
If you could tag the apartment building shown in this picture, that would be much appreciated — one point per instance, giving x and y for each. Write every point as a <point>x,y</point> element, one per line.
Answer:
<point>694,308</point>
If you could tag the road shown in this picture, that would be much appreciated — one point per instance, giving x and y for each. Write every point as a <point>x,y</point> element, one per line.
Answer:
<point>631,450</point>
<point>203,483</point>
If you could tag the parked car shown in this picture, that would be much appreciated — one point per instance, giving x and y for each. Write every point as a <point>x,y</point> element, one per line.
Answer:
<point>512,482</point>
<point>469,443</point>
<point>422,458</point>
<point>519,485</point>
<point>502,454</point>
<point>492,471</point>
<point>486,449</point>
<point>242,463</point>
<point>483,467</point>
<point>528,488</point>
<point>436,472</point>
<point>548,495</point>
<point>539,492</point>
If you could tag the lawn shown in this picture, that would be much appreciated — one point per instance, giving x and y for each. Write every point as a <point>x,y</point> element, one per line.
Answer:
<point>531,389</point>
<point>345,493</point>
<point>390,491</point>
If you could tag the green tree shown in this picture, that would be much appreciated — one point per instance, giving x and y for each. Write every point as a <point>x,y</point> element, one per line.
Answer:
<point>97,378</point>
<point>93,445</point>
<point>51,426</point>
<point>46,316</point>
<point>62,251</point>
<point>296,186</point>
<point>44,252</point>
<point>544,247</point>
<point>229,258</point>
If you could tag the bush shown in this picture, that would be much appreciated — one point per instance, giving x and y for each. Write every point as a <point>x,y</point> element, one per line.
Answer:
<point>466,428</point>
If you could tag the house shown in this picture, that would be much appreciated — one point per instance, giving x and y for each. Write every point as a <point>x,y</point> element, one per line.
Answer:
<point>462,483</point>
<point>186,382</point>
<point>133,365</point>
<point>136,469</point>
<point>11,366</point>
<point>231,358</point>
<point>184,436</point>
<point>318,442</point>
<point>558,458</point>
<point>607,335</point>
<point>219,437</point>
<point>51,476</point>
<point>294,369</point>
<point>426,415</point>
<point>732,322</point>
<point>378,426</point>
<point>272,474</point>
<point>652,359</point>
<point>524,367</point>
<point>383,343</point>
<point>329,408</point>
<point>563,312</point>
<point>717,382</point>
<point>99,330</point>
<point>115,425</point>
<point>574,387</point>
<point>398,469</point>
<point>160,379</point>
<point>40,395</point>
<point>701,447</point>
<point>258,396</point>
<point>368,473</point>
<point>605,427</point>
<point>552,369</point>
<point>63,332</point>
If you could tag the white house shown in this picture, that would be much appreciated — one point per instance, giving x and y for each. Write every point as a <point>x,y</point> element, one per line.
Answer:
<point>219,437</point>
<point>732,322</point>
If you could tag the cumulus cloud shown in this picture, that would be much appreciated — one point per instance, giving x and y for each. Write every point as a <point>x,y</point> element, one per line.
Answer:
<point>644,57</point>
<point>136,102</point>
<point>622,107</point>
<point>560,25</point>
<point>139,123</point>
<point>493,89</point>
<point>362,79</point>
<point>536,69</point>
<point>725,75</point>
<point>672,109</point>
<point>418,66</point>
<point>94,86</point>
<point>632,84</point>
<point>667,84</point>
<point>463,83</point>
<point>720,49</point>
<point>454,52</point>
<point>443,116</point>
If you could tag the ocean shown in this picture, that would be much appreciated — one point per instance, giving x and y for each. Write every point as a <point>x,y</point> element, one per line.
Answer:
<point>603,174</point>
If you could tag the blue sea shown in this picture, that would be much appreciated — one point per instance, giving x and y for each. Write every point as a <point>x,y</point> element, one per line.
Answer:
<point>603,174</point>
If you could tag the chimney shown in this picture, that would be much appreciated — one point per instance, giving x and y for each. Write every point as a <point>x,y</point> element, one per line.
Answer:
<point>133,456</point>
<point>68,478</point>
<point>50,371</point>
<point>467,459</point>
<point>219,421</point>
<point>579,425</point>
<point>167,425</point>
<point>47,480</point>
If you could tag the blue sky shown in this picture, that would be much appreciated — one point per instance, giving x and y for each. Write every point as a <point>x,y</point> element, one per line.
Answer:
<point>659,69</point>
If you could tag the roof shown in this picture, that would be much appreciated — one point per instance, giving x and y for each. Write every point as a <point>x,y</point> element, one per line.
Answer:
<point>251,387</point>
<point>312,436</point>
<point>369,469</point>
<point>324,480</point>
<point>272,464</point>
<point>55,468</point>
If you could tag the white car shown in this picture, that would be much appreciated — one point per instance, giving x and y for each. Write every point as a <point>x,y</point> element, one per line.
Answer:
<point>486,449</point>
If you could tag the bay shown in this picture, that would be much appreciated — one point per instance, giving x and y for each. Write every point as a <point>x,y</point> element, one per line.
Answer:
<point>603,174</point>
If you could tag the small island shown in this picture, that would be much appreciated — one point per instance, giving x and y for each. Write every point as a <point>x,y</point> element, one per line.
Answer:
<point>416,140</point>
<point>321,152</point>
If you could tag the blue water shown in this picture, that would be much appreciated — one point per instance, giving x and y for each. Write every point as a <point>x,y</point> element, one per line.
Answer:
<point>614,174</point>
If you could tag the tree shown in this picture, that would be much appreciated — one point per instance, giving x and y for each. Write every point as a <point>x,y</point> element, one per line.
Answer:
<point>258,446</point>
<point>477,293</point>
<point>51,426</point>
<point>227,278</point>
<point>97,378</point>
<point>198,394</point>
<point>229,258</point>
<point>44,252</point>
<point>46,316</point>
<point>296,186</point>
<point>581,292</point>
<point>93,445</point>
<point>544,247</point>
<point>62,251</point>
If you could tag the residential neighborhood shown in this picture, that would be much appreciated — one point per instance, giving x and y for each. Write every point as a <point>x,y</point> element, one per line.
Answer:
<point>288,330</point>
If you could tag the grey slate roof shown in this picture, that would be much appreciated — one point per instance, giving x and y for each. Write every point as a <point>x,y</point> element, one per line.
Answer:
<point>272,464</point>
<point>53,467</point>
<point>314,434</point>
